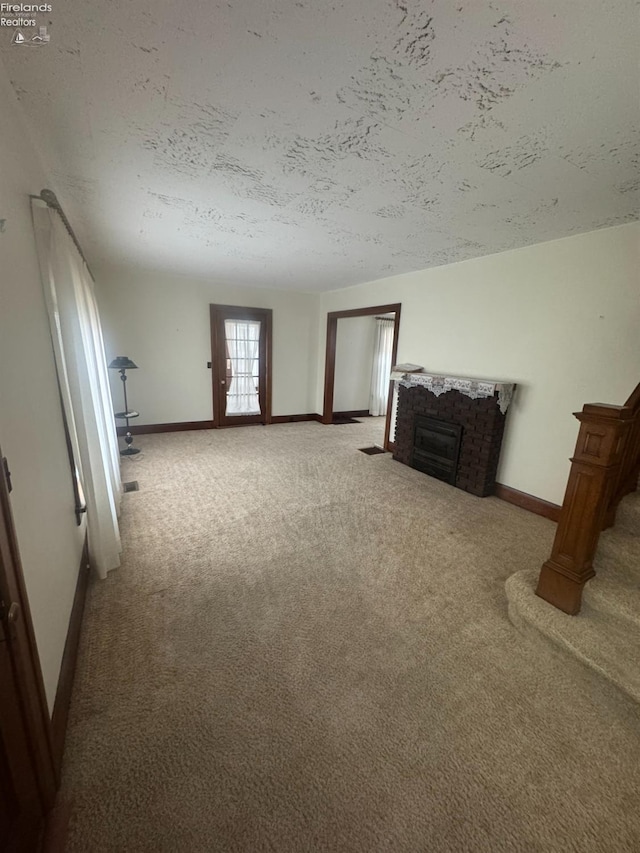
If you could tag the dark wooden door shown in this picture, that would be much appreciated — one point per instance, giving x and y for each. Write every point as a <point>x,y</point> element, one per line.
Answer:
<point>27,774</point>
<point>21,812</point>
<point>241,365</point>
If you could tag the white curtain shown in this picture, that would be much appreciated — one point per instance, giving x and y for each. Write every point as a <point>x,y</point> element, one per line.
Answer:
<point>243,347</point>
<point>381,373</point>
<point>81,365</point>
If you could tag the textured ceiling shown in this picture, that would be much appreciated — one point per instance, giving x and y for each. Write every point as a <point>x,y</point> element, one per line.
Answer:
<point>311,145</point>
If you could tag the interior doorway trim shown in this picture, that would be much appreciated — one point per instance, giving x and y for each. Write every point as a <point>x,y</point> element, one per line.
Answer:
<point>330,357</point>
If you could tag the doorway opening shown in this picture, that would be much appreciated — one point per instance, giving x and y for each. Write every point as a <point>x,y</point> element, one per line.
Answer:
<point>241,365</point>
<point>385,326</point>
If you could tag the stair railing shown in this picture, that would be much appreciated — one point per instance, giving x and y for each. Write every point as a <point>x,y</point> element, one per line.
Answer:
<point>604,469</point>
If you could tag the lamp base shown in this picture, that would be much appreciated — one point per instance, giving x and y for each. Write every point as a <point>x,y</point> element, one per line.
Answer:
<point>129,451</point>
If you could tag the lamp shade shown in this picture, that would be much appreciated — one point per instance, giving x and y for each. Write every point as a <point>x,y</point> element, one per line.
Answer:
<point>123,362</point>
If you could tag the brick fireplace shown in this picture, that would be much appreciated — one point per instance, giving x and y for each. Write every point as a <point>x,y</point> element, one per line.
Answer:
<point>454,435</point>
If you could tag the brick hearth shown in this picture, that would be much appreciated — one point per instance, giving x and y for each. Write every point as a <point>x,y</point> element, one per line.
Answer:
<point>482,429</point>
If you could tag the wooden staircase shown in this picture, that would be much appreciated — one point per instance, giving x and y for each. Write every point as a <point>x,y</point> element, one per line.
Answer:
<point>597,541</point>
<point>605,636</point>
<point>604,469</point>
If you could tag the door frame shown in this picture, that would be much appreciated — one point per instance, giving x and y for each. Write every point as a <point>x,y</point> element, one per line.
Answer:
<point>330,357</point>
<point>23,653</point>
<point>217,313</point>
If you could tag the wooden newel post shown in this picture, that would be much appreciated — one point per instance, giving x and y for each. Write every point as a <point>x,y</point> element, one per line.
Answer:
<point>593,476</point>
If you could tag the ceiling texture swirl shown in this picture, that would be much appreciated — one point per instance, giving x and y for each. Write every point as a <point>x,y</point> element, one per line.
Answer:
<point>310,146</point>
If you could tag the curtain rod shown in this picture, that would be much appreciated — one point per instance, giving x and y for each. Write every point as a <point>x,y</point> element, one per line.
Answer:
<point>390,319</point>
<point>51,200</point>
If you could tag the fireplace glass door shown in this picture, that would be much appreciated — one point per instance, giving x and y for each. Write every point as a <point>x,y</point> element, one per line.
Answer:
<point>436,448</point>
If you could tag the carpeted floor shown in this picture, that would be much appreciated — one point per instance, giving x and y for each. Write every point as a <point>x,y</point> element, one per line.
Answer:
<point>307,649</point>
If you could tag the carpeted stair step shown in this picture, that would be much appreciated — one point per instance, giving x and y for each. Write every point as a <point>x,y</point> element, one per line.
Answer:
<point>621,549</point>
<point>606,634</point>
<point>616,587</point>
<point>616,593</point>
<point>602,641</point>
<point>628,514</point>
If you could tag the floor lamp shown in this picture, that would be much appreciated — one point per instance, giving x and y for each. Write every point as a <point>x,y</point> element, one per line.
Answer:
<point>124,363</point>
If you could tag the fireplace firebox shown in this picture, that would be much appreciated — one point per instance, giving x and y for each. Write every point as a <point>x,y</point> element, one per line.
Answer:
<point>436,448</point>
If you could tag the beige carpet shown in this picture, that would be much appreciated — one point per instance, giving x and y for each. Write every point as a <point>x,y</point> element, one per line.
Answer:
<point>307,649</point>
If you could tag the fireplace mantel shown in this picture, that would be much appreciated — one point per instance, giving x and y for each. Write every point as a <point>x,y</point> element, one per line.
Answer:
<point>473,388</point>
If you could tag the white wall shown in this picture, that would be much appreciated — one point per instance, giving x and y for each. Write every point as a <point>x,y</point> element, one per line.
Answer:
<point>354,362</point>
<point>31,431</point>
<point>561,319</point>
<point>162,323</point>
